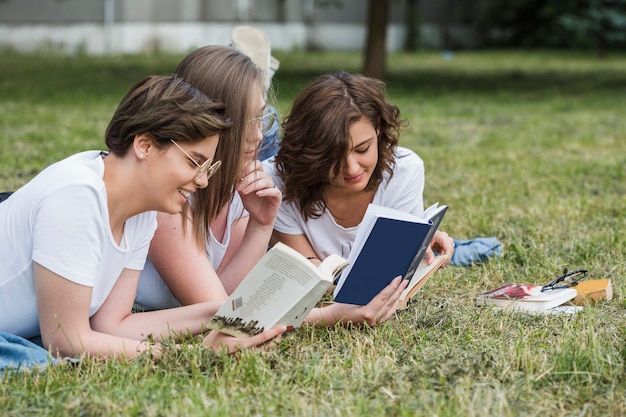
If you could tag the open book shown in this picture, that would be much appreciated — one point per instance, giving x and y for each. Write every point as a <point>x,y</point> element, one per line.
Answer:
<point>419,277</point>
<point>389,243</point>
<point>282,288</point>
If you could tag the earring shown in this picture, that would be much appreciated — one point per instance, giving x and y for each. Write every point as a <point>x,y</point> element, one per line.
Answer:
<point>141,155</point>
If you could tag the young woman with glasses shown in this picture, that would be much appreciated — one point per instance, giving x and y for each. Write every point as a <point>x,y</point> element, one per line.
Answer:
<point>338,153</point>
<point>76,236</point>
<point>194,258</point>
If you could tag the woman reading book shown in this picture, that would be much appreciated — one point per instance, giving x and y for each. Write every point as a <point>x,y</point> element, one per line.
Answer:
<point>75,237</point>
<point>339,152</point>
<point>191,259</point>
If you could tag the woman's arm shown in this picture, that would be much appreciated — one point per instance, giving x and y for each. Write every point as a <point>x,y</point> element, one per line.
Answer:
<point>114,331</point>
<point>247,245</point>
<point>115,316</point>
<point>298,242</point>
<point>183,266</point>
<point>63,308</point>
<point>380,309</point>
<point>250,236</point>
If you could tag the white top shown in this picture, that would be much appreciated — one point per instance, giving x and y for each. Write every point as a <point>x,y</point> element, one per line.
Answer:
<point>60,220</point>
<point>153,293</point>
<point>402,192</point>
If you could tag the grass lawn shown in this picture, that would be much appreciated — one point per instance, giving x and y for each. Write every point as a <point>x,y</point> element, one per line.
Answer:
<point>526,146</point>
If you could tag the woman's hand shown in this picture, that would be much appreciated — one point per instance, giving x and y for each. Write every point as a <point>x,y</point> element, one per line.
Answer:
<point>380,309</point>
<point>258,193</point>
<point>222,342</point>
<point>442,244</point>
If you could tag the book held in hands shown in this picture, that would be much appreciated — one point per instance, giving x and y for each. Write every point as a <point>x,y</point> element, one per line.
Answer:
<point>282,288</point>
<point>419,277</point>
<point>389,243</point>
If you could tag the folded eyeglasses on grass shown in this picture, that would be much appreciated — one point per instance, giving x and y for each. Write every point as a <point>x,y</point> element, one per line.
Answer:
<point>567,280</point>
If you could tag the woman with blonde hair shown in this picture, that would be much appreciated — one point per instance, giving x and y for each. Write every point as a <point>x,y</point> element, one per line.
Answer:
<point>195,259</point>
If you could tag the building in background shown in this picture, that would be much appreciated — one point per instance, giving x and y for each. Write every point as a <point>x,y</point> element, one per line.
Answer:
<point>135,26</point>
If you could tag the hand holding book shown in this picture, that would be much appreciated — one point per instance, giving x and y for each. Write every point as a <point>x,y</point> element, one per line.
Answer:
<point>389,243</point>
<point>284,285</point>
<point>220,341</point>
<point>440,244</point>
<point>281,289</point>
<point>380,309</point>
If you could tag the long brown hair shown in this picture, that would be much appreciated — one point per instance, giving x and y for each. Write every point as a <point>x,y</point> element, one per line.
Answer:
<point>316,138</point>
<point>166,107</point>
<point>228,75</point>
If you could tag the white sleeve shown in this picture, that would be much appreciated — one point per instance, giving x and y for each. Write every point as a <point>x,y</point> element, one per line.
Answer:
<point>69,233</point>
<point>405,190</point>
<point>143,227</point>
<point>289,220</point>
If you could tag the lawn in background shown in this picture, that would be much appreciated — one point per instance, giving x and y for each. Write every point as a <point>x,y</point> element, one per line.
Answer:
<point>529,147</point>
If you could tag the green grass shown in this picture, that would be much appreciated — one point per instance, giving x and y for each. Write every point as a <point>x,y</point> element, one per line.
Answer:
<point>526,146</point>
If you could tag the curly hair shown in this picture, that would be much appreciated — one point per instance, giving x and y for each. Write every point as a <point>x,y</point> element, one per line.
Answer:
<point>316,138</point>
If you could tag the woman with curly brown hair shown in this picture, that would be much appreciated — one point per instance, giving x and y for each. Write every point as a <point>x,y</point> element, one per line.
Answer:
<point>339,152</point>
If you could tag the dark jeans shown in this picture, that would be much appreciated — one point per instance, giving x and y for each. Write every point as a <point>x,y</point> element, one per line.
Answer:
<point>5,195</point>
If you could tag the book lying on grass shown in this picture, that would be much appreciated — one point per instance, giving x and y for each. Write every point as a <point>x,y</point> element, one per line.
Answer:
<point>563,309</point>
<point>523,297</point>
<point>590,292</point>
<point>282,288</point>
<point>389,243</point>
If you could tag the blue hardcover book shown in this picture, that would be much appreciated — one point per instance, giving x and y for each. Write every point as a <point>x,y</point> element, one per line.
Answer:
<point>389,243</point>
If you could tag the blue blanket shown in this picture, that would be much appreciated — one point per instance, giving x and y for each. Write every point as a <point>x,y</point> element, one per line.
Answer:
<point>470,252</point>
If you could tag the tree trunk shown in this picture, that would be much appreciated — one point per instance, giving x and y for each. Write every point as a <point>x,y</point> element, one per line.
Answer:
<point>411,25</point>
<point>375,48</point>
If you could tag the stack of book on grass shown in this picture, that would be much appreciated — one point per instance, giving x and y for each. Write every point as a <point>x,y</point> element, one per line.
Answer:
<point>529,298</point>
<point>565,294</point>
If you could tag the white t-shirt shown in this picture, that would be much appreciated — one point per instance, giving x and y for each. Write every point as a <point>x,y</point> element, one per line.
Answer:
<point>60,220</point>
<point>153,293</point>
<point>404,191</point>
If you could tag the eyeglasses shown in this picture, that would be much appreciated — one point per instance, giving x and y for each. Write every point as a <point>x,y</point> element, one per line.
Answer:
<point>205,167</point>
<point>568,279</point>
<point>268,118</point>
